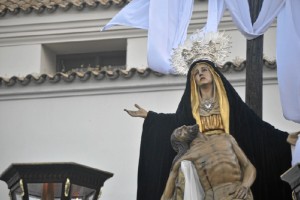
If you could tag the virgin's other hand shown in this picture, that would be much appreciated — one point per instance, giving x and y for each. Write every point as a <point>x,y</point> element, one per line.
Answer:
<point>141,112</point>
<point>292,138</point>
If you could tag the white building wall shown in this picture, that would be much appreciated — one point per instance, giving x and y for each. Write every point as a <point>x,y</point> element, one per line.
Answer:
<point>136,53</point>
<point>48,61</point>
<point>20,60</point>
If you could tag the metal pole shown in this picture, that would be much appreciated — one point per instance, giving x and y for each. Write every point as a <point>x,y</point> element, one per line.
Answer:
<point>254,64</point>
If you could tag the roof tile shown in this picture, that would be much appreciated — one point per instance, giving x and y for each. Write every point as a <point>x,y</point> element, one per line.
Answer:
<point>109,74</point>
<point>15,6</point>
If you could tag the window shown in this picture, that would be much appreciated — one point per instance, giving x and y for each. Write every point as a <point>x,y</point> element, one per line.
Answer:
<point>87,61</point>
<point>84,55</point>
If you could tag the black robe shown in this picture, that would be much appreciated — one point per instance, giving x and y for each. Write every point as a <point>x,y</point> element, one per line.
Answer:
<point>265,146</point>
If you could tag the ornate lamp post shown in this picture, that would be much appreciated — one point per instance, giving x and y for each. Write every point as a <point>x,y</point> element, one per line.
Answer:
<point>292,177</point>
<point>54,181</point>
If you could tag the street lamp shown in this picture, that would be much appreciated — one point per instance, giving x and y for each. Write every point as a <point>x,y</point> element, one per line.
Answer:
<point>292,177</point>
<point>54,181</point>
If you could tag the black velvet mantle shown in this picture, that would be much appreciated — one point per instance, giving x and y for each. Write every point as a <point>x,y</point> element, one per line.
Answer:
<point>265,146</point>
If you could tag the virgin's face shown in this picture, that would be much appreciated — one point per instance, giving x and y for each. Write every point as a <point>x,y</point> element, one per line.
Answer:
<point>202,74</point>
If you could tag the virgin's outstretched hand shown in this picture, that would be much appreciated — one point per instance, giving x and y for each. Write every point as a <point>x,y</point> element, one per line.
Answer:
<point>293,137</point>
<point>141,112</point>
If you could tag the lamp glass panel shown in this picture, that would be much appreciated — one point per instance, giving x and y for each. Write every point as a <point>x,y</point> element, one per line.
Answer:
<point>81,193</point>
<point>50,190</point>
<point>17,194</point>
<point>18,197</point>
<point>35,198</point>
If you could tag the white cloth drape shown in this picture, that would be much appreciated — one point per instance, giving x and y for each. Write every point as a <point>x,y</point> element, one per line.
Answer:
<point>216,10</point>
<point>240,12</point>
<point>166,30</point>
<point>167,22</point>
<point>135,14</point>
<point>192,189</point>
<point>288,44</point>
<point>296,153</point>
<point>288,59</point>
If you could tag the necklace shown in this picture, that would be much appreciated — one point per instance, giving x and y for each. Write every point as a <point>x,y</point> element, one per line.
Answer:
<point>208,104</point>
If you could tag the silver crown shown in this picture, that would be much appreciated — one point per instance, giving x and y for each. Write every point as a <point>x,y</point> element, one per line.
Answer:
<point>213,46</point>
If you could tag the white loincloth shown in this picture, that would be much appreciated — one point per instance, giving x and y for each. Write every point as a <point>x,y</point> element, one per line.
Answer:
<point>193,189</point>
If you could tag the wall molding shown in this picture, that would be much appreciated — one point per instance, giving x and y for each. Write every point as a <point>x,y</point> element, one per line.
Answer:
<point>63,27</point>
<point>136,84</point>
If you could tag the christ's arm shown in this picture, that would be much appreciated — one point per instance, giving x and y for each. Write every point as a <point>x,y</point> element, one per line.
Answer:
<point>249,171</point>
